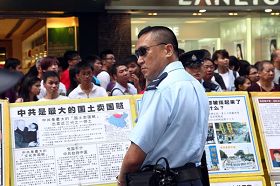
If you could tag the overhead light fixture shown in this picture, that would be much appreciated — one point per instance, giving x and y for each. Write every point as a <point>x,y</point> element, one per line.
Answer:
<point>233,14</point>
<point>138,22</point>
<point>152,14</point>
<point>268,10</point>
<point>202,10</point>
<point>195,22</point>
<point>197,14</point>
<point>275,13</point>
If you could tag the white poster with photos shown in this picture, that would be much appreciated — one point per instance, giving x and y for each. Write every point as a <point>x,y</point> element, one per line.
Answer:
<point>267,111</point>
<point>70,143</point>
<point>231,147</point>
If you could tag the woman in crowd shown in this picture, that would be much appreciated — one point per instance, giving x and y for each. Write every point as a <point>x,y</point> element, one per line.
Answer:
<point>242,83</point>
<point>265,83</point>
<point>221,59</point>
<point>252,74</point>
<point>30,89</point>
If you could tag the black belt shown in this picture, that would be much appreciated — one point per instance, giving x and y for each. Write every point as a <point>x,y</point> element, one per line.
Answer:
<point>187,173</point>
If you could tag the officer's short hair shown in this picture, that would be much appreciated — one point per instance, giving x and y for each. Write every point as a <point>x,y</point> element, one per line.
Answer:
<point>162,34</point>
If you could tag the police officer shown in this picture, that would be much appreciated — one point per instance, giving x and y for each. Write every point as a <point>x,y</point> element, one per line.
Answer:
<point>201,68</point>
<point>173,118</point>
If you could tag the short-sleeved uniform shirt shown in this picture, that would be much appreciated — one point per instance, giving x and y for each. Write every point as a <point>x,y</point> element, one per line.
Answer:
<point>173,119</point>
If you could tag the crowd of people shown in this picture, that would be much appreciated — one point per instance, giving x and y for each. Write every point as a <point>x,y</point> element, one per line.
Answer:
<point>70,77</point>
<point>173,82</point>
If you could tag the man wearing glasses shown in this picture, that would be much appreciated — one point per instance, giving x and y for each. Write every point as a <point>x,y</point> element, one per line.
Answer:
<point>71,58</point>
<point>173,118</point>
<point>108,59</point>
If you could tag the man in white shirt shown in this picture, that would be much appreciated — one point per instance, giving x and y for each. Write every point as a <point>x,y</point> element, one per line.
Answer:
<point>51,83</point>
<point>86,89</point>
<point>121,76</point>
<point>108,59</point>
<point>50,64</point>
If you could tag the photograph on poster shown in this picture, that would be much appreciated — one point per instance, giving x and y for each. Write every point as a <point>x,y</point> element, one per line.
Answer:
<point>211,134</point>
<point>232,132</point>
<point>275,157</point>
<point>212,158</point>
<point>237,157</point>
<point>25,134</point>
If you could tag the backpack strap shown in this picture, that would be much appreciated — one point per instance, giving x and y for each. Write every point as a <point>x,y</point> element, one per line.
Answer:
<point>234,74</point>
<point>111,93</point>
<point>219,80</point>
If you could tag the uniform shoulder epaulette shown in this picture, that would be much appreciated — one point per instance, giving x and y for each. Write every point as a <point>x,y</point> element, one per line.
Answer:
<point>153,85</point>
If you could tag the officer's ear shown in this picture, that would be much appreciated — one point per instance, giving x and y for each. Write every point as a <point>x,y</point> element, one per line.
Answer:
<point>169,50</point>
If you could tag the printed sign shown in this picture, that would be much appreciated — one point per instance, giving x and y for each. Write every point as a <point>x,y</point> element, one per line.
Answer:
<point>231,147</point>
<point>4,143</point>
<point>71,142</point>
<point>60,40</point>
<point>267,110</point>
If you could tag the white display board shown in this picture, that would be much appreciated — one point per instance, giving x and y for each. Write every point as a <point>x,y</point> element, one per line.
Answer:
<point>71,142</point>
<point>267,111</point>
<point>231,146</point>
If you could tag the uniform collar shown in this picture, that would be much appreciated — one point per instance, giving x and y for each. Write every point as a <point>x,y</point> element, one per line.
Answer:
<point>173,66</point>
<point>170,67</point>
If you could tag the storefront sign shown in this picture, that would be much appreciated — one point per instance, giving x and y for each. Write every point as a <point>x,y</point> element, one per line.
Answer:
<point>60,40</point>
<point>192,4</point>
<point>229,2</point>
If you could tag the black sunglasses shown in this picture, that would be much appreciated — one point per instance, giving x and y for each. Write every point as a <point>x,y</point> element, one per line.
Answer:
<point>142,51</point>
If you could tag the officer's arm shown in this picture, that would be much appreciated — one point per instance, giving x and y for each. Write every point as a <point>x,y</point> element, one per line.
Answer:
<point>132,162</point>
